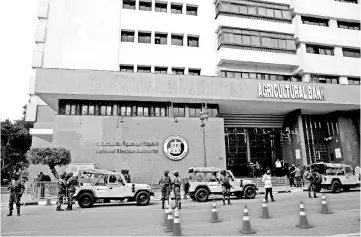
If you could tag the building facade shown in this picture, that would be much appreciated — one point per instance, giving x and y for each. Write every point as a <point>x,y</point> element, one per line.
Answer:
<point>121,83</point>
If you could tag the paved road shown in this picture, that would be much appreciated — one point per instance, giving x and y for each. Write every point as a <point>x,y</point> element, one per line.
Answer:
<point>128,219</point>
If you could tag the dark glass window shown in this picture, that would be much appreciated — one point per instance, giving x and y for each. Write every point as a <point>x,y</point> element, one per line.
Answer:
<point>145,6</point>
<point>194,72</point>
<point>176,9</point>
<point>192,10</point>
<point>161,7</point>
<point>127,36</point>
<point>348,25</point>
<point>160,38</point>
<point>177,40</point>
<point>129,4</point>
<point>160,70</point>
<point>144,37</point>
<point>178,71</point>
<point>324,79</point>
<point>319,50</point>
<point>314,21</point>
<point>126,68</point>
<point>178,110</point>
<point>144,69</point>
<point>347,1</point>
<point>352,53</point>
<point>353,81</point>
<point>193,41</point>
<point>195,110</point>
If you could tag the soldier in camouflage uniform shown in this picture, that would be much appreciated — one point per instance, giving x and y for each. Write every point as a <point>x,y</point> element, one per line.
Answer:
<point>176,189</point>
<point>17,189</point>
<point>226,187</point>
<point>71,184</point>
<point>166,187</point>
<point>127,176</point>
<point>62,191</point>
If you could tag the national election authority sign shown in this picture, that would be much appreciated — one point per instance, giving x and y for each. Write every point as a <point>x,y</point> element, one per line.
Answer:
<point>175,147</point>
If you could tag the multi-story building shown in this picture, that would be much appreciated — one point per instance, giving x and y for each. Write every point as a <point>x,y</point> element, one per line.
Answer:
<point>121,83</point>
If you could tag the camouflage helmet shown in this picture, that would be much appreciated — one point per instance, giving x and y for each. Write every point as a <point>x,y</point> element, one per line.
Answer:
<point>166,171</point>
<point>69,175</point>
<point>176,172</point>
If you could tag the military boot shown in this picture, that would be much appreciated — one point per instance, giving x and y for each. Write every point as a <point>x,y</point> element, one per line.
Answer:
<point>229,201</point>
<point>314,195</point>
<point>224,201</point>
<point>10,213</point>
<point>309,195</point>
<point>59,209</point>
<point>68,208</point>
<point>18,212</point>
<point>180,207</point>
<point>162,205</point>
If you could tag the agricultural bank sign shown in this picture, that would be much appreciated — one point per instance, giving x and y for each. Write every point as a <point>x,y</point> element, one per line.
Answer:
<point>294,92</point>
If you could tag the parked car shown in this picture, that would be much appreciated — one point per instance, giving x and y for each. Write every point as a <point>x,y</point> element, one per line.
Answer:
<point>202,185</point>
<point>335,177</point>
<point>104,185</point>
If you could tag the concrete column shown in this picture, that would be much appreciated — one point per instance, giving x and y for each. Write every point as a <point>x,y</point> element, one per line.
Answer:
<point>170,110</point>
<point>186,112</point>
<point>306,78</point>
<point>136,36</point>
<point>248,146</point>
<point>338,52</point>
<point>333,23</point>
<point>343,80</point>
<point>302,139</point>
<point>136,5</point>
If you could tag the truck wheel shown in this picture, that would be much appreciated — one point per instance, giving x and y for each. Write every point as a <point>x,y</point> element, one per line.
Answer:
<point>249,192</point>
<point>346,188</point>
<point>86,200</point>
<point>239,195</point>
<point>336,187</point>
<point>142,198</point>
<point>202,195</point>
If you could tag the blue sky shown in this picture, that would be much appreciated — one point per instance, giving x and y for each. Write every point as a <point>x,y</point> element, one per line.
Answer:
<point>18,21</point>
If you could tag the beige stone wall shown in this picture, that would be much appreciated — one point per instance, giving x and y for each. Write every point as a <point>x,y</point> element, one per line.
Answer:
<point>81,134</point>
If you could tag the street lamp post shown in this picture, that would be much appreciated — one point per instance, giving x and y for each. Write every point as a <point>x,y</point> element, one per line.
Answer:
<point>204,117</point>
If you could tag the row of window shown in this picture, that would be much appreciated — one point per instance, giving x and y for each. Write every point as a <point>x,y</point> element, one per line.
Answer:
<point>352,53</point>
<point>175,8</point>
<point>159,70</point>
<point>132,108</point>
<point>324,79</point>
<point>353,81</point>
<point>347,1</point>
<point>255,9</point>
<point>259,76</point>
<point>159,38</point>
<point>325,22</point>
<point>257,39</point>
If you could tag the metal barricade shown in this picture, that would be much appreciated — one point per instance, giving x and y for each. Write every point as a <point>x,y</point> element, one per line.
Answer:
<point>41,189</point>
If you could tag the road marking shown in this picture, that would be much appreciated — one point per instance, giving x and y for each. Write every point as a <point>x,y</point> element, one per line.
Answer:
<point>351,234</point>
<point>348,210</point>
<point>23,232</point>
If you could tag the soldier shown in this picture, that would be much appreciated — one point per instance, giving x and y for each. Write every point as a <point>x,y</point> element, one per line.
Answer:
<point>176,189</point>
<point>166,187</point>
<point>310,182</point>
<point>226,187</point>
<point>61,192</point>
<point>17,189</point>
<point>71,184</point>
<point>127,176</point>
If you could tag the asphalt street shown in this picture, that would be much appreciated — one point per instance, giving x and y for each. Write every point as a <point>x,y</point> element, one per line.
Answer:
<point>129,219</point>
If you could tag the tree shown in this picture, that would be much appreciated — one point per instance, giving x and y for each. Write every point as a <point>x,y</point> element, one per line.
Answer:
<point>15,142</point>
<point>50,156</point>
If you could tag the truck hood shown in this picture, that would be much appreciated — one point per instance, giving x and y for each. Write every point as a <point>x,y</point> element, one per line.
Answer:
<point>245,181</point>
<point>138,186</point>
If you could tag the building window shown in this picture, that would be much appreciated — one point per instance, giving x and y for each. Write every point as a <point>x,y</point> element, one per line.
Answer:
<point>129,4</point>
<point>353,81</point>
<point>195,110</point>
<point>314,21</point>
<point>145,6</point>
<point>352,53</point>
<point>348,25</point>
<point>160,7</point>
<point>160,70</point>
<point>126,68</point>
<point>127,36</point>
<point>176,8</point>
<point>178,110</point>
<point>177,40</point>
<point>266,10</point>
<point>324,79</point>
<point>178,71</point>
<point>194,72</point>
<point>257,39</point>
<point>259,76</point>
<point>347,1</point>
<point>144,37</point>
<point>212,110</point>
<point>144,69</point>
<point>192,10</point>
<point>160,38</point>
<point>193,41</point>
<point>319,50</point>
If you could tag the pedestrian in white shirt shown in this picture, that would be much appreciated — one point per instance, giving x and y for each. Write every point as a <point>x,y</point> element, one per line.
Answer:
<point>267,179</point>
<point>278,168</point>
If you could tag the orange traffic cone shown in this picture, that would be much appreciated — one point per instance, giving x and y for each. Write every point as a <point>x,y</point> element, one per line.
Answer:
<point>214,213</point>
<point>169,220</point>
<point>324,206</point>
<point>303,219</point>
<point>246,223</point>
<point>48,202</point>
<point>166,215</point>
<point>176,227</point>
<point>265,214</point>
